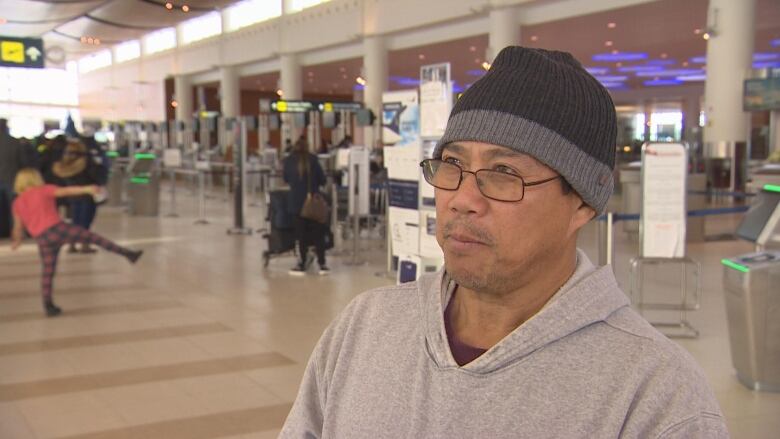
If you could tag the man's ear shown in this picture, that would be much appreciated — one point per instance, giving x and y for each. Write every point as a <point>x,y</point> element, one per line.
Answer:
<point>582,216</point>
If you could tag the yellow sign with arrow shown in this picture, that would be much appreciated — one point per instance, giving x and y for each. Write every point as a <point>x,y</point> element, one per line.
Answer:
<point>21,52</point>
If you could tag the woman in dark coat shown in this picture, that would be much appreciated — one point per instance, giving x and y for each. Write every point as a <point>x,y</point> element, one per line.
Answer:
<point>78,168</point>
<point>302,171</point>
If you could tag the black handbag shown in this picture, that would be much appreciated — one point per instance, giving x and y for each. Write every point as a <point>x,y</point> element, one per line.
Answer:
<point>315,207</point>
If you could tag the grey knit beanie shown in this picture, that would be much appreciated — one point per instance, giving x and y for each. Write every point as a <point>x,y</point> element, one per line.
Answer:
<point>544,104</point>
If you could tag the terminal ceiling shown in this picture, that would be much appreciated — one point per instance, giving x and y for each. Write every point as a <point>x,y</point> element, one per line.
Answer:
<point>668,31</point>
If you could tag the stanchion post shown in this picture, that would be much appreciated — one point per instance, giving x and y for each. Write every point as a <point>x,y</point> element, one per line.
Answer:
<point>201,199</point>
<point>172,176</point>
<point>605,238</point>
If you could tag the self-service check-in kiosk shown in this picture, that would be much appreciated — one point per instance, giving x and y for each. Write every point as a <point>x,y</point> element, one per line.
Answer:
<point>143,186</point>
<point>752,288</point>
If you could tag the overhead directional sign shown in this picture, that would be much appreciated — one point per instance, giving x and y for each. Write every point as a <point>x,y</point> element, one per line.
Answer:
<point>282,106</point>
<point>21,52</point>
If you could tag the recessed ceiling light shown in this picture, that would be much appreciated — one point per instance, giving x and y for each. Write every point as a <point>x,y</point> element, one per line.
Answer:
<point>608,43</point>
<point>169,6</point>
<point>343,76</point>
<point>611,25</point>
<point>534,38</point>
<point>310,74</point>
<point>664,55</point>
<point>685,64</point>
<point>615,51</point>
<point>472,49</point>
<point>185,8</point>
<point>706,36</point>
<point>697,31</point>
<point>421,56</point>
<point>620,64</point>
<point>477,60</point>
<point>342,69</point>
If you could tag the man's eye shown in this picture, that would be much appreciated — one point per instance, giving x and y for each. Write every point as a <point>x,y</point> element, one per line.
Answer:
<point>505,169</point>
<point>451,160</point>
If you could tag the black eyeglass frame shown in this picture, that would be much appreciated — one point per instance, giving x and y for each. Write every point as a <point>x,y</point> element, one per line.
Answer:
<point>460,180</point>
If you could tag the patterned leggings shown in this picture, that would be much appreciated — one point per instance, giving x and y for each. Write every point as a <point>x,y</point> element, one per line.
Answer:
<point>50,241</point>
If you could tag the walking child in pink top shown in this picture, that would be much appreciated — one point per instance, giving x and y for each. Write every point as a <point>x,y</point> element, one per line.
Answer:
<point>35,209</point>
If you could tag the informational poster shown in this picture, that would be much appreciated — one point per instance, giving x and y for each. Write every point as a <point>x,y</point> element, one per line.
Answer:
<point>429,247</point>
<point>663,212</point>
<point>435,99</point>
<point>426,190</point>
<point>404,231</point>
<point>400,117</point>
<point>403,162</point>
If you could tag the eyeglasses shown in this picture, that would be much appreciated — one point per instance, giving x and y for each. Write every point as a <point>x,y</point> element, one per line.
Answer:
<point>496,185</point>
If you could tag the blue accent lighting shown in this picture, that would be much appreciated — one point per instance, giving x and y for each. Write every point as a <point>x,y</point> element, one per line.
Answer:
<point>620,56</point>
<point>671,72</point>
<point>359,87</point>
<point>611,78</point>
<point>662,82</point>
<point>692,78</point>
<point>766,56</point>
<point>597,70</point>
<point>403,80</point>
<point>476,72</point>
<point>631,69</point>
<point>766,65</point>
<point>698,59</point>
<point>775,42</point>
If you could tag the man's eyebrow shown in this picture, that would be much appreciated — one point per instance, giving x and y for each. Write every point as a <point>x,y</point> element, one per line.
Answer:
<point>453,147</point>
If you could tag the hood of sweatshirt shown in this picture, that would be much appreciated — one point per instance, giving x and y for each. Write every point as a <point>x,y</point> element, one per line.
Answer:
<point>589,296</point>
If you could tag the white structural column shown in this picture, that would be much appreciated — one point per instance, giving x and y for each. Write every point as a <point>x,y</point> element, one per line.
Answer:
<point>292,89</point>
<point>376,71</point>
<point>182,92</point>
<point>729,59</point>
<point>229,91</point>
<point>504,31</point>
<point>290,77</point>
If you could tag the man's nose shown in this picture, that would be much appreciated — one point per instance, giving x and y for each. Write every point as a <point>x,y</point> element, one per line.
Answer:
<point>468,198</point>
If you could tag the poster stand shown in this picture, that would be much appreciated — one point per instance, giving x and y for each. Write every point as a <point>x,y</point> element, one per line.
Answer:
<point>663,216</point>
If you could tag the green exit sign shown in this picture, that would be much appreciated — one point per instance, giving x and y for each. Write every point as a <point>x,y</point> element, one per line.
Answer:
<point>21,52</point>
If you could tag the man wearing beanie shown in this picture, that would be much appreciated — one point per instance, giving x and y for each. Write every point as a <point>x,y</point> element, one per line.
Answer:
<point>520,335</point>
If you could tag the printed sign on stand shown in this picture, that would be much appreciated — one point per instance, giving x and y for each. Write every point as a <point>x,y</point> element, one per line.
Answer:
<point>435,99</point>
<point>663,215</point>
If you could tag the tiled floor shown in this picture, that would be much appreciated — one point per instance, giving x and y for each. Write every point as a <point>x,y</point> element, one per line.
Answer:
<point>199,341</point>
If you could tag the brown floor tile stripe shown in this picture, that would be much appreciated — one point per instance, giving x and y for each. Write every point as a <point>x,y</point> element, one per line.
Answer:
<point>91,311</point>
<point>37,275</point>
<point>86,289</point>
<point>232,423</point>
<point>63,260</point>
<point>110,338</point>
<point>126,377</point>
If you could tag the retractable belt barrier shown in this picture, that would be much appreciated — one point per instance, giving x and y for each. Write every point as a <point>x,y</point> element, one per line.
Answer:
<point>691,213</point>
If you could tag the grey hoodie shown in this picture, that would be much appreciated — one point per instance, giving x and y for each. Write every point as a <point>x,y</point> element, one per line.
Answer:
<point>585,366</point>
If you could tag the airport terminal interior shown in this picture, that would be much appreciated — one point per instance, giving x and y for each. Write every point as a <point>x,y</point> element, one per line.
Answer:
<point>183,112</point>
